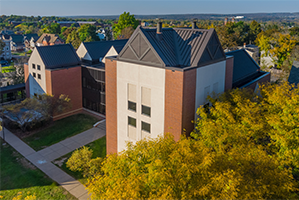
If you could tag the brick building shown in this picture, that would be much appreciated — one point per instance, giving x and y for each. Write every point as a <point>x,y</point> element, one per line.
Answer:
<point>47,39</point>
<point>162,76</point>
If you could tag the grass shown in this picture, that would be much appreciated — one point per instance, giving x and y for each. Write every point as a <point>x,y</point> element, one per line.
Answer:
<point>9,68</point>
<point>99,150</point>
<point>60,130</point>
<point>18,175</point>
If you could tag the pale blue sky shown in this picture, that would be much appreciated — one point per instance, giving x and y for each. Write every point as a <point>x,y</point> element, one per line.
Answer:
<point>142,7</point>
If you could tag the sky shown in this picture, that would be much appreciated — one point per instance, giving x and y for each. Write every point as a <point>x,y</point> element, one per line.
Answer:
<point>143,7</point>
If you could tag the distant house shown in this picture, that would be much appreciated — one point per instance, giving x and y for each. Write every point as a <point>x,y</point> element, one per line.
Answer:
<point>294,74</point>
<point>253,51</point>
<point>17,42</point>
<point>6,54</point>
<point>30,40</point>
<point>48,40</point>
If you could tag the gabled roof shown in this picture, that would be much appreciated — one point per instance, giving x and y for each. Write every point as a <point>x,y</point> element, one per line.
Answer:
<point>99,49</point>
<point>17,38</point>
<point>244,65</point>
<point>29,36</point>
<point>55,56</point>
<point>294,74</point>
<point>175,47</point>
<point>50,38</point>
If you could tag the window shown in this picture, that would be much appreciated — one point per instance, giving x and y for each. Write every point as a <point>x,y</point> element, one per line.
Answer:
<point>132,106</point>
<point>38,76</point>
<point>34,74</point>
<point>38,67</point>
<point>146,127</point>
<point>33,66</point>
<point>146,110</point>
<point>146,101</point>
<point>131,121</point>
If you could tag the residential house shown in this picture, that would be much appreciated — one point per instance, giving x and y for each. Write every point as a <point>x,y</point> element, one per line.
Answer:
<point>47,39</point>
<point>17,42</point>
<point>30,40</point>
<point>6,53</point>
<point>294,74</point>
<point>160,78</point>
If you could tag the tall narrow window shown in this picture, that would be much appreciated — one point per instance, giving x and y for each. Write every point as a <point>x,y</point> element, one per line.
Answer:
<point>38,67</point>
<point>146,101</point>
<point>33,66</point>
<point>34,74</point>
<point>132,97</point>
<point>38,76</point>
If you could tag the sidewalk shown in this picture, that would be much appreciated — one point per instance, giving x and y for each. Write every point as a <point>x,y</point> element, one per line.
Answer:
<point>42,159</point>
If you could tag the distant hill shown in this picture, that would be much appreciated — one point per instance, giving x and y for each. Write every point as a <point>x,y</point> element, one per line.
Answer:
<point>247,16</point>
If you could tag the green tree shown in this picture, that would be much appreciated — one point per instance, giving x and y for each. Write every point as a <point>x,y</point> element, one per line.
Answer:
<point>125,20</point>
<point>87,31</point>
<point>255,29</point>
<point>73,38</point>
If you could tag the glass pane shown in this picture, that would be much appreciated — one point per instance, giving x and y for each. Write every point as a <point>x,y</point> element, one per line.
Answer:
<point>132,106</point>
<point>146,127</point>
<point>132,121</point>
<point>146,110</point>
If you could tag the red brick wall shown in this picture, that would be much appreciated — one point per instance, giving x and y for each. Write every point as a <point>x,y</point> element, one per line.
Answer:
<point>26,76</point>
<point>68,81</point>
<point>265,79</point>
<point>189,94</point>
<point>111,106</point>
<point>173,103</point>
<point>48,82</point>
<point>229,73</point>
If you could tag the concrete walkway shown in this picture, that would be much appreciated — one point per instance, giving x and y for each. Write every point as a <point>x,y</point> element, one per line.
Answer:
<point>42,159</point>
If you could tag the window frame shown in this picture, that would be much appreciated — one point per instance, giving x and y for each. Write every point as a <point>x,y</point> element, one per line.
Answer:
<point>34,74</point>
<point>143,113</point>
<point>33,66</point>
<point>38,67</point>
<point>133,123</point>
<point>39,76</point>
<point>143,128</point>
<point>131,108</point>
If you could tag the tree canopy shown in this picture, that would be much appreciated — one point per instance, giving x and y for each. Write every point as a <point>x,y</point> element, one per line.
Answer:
<point>125,20</point>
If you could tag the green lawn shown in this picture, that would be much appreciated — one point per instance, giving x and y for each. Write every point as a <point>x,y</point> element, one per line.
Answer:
<point>19,175</point>
<point>99,150</point>
<point>9,68</point>
<point>60,130</point>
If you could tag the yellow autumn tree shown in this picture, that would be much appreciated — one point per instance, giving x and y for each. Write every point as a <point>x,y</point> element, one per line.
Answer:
<point>187,169</point>
<point>267,119</point>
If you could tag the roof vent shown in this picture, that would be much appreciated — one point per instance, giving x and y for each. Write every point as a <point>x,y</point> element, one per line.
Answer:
<point>159,29</point>
<point>194,23</point>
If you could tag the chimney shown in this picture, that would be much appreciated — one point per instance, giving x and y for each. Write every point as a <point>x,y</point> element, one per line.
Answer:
<point>194,23</point>
<point>225,21</point>
<point>159,29</point>
<point>159,26</point>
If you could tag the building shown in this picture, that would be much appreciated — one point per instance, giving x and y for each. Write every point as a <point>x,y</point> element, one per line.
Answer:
<point>48,40</point>
<point>17,42</point>
<point>30,40</point>
<point>55,70</point>
<point>92,55</point>
<point>162,76</point>
<point>6,54</point>
<point>253,51</point>
<point>59,69</point>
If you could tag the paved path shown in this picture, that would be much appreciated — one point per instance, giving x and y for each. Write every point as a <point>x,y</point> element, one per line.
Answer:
<point>42,159</point>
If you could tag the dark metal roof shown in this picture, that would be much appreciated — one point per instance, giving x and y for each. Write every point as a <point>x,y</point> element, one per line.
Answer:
<point>12,88</point>
<point>99,49</point>
<point>294,74</point>
<point>175,47</point>
<point>29,36</point>
<point>61,55</point>
<point>17,38</point>
<point>244,65</point>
